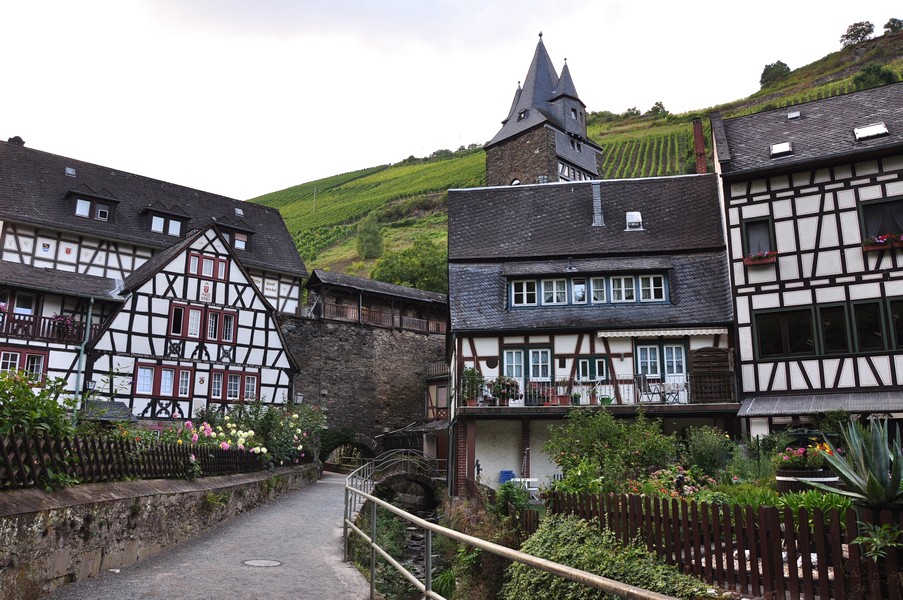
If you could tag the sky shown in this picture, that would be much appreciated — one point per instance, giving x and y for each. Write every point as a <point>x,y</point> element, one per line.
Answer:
<point>246,97</point>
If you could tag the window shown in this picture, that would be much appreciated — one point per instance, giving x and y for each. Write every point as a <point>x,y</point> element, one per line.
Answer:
<point>163,380</point>
<point>674,359</point>
<point>524,293</point>
<point>219,325</point>
<point>238,386</point>
<point>598,285</point>
<point>93,209</point>
<point>14,359</point>
<point>622,289</point>
<point>833,321</point>
<point>24,304</point>
<point>208,267</point>
<point>541,365</point>
<point>591,369</point>
<point>882,217</point>
<point>167,225</point>
<point>757,236</point>
<point>784,333</point>
<point>896,315</point>
<point>868,326</point>
<point>647,360</point>
<point>573,113</point>
<point>578,291</point>
<point>652,288</point>
<point>9,361</point>
<point>240,241</point>
<point>34,364</point>
<point>554,291</point>
<point>513,365</point>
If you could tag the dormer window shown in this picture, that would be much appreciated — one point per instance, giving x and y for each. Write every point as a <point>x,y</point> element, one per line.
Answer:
<point>167,225</point>
<point>522,115</point>
<point>573,113</point>
<point>240,241</point>
<point>781,149</point>
<point>93,209</point>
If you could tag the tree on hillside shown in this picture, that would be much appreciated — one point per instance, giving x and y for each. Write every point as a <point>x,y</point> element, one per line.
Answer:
<point>658,110</point>
<point>857,32</point>
<point>423,266</point>
<point>631,112</point>
<point>773,73</point>
<point>893,26</point>
<point>369,239</point>
<point>874,75</point>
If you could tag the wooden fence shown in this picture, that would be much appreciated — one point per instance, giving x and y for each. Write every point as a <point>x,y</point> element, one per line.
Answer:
<point>763,551</point>
<point>33,461</point>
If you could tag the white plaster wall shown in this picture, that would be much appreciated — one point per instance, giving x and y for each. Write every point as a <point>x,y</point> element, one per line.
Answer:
<point>497,449</point>
<point>541,465</point>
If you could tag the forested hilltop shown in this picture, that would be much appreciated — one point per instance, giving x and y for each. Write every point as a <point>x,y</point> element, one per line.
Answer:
<point>406,201</point>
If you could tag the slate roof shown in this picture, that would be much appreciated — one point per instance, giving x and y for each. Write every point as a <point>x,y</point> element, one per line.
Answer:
<point>555,220</point>
<point>541,88</point>
<point>372,286</point>
<point>823,131</point>
<point>59,282</point>
<point>699,295</point>
<point>35,189</point>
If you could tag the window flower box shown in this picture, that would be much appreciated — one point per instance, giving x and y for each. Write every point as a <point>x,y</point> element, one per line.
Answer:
<point>877,243</point>
<point>760,258</point>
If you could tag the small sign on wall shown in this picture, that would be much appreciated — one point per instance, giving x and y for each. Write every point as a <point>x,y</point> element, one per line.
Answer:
<point>271,287</point>
<point>206,294</point>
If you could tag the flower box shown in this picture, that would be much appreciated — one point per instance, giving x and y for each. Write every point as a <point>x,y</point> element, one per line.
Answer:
<point>766,258</point>
<point>794,480</point>
<point>878,247</point>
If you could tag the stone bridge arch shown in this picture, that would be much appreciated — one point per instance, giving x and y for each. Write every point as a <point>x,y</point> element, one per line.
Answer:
<point>418,491</point>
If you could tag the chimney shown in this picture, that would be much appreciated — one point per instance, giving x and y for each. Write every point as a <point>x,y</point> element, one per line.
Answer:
<point>16,141</point>
<point>699,146</point>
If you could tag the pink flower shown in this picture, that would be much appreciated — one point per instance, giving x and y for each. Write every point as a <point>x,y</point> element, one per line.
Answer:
<point>224,445</point>
<point>194,438</point>
<point>189,425</point>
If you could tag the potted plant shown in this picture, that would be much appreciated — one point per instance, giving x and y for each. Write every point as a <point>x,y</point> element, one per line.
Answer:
<point>796,467</point>
<point>472,382</point>
<point>765,257</point>
<point>504,389</point>
<point>877,243</point>
<point>63,324</point>
<point>575,398</point>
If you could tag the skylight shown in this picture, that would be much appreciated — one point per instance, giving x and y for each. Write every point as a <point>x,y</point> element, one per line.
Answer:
<point>781,149</point>
<point>794,114</point>
<point>70,171</point>
<point>870,131</point>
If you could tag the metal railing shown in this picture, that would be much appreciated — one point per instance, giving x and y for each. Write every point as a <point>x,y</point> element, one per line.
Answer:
<point>354,496</point>
<point>693,388</point>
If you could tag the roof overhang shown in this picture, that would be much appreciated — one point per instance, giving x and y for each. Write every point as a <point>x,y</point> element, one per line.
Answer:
<point>662,332</point>
<point>853,402</point>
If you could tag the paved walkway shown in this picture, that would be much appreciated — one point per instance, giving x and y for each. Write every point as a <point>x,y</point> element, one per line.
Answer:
<point>302,530</point>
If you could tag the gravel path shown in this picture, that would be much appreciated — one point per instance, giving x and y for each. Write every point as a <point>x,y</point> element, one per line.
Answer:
<point>301,530</point>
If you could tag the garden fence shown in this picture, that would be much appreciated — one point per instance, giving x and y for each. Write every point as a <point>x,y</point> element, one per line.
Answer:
<point>35,460</point>
<point>762,551</point>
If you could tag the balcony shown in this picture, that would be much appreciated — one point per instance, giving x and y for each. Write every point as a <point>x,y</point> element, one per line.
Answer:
<point>379,318</point>
<point>682,389</point>
<point>42,328</point>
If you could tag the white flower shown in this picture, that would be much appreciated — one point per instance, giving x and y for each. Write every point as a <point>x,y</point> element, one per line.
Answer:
<point>294,416</point>
<point>297,431</point>
<point>241,441</point>
<point>300,446</point>
<point>256,450</point>
<point>250,432</point>
<point>264,450</point>
<point>222,434</point>
<point>227,417</point>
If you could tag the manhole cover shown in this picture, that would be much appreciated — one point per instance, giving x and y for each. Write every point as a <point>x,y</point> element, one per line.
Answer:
<point>262,563</point>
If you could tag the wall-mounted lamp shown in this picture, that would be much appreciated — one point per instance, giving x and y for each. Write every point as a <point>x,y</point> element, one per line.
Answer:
<point>92,384</point>
<point>570,267</point>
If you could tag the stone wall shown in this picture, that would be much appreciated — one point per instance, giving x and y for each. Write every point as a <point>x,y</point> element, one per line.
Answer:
<point>50,539</point>
<point>368,379</point>
<point>524,158</point>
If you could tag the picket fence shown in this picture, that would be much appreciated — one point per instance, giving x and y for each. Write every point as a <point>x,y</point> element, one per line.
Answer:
<point>35,460</point>
<point>765,551</point>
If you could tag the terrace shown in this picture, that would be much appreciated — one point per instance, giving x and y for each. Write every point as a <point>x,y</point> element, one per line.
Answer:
<point>44,328</point>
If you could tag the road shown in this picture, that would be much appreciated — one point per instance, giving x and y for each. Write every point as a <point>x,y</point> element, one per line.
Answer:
<point>302,531</point>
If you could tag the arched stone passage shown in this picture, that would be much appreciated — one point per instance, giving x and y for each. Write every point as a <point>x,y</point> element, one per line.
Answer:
<point>411,490</point>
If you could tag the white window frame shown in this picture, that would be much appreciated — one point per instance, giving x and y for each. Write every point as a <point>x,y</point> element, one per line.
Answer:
<point>213,325</point>
<point>184,383</point>
<point>144,380</point>
<point>83,208</point>
<point>34,364</point>
<point>250,387</point>
<point>216,386</point>
<point>194,323</point>
<point>207,267</point>
<point>554,291</point>
<point>521,290</point>
<point>675,359</point>
<point>652,286</point>
<point>9,361</point>
<point>513,364</point>
<point>575,286</point>
<point>228,327</point>
<point>623,288</point>
<point>647,356</point>
<point>158,223</point>
<point>167,381</point>
<point>597,293</point>
<point>233,386</point>
<point>540,364</point>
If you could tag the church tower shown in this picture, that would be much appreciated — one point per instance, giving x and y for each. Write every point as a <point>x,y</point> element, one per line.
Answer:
<point>543,139</point>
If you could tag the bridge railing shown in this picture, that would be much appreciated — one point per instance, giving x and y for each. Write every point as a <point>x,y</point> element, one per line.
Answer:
<point>358,489</point>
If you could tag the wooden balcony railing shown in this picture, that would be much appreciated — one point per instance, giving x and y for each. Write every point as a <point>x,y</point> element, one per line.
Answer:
<point>380,318</point>
<point>43,328</point>
<point>638,389</point>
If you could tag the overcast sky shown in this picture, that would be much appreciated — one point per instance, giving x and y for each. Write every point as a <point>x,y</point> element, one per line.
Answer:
<point>242,97</point>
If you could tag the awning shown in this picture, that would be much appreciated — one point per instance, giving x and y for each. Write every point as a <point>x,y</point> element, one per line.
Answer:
<point>853,402</point>
<point>662,332</point>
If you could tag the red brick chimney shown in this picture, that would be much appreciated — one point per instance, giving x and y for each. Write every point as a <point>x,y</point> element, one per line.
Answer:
<point>699,146</point>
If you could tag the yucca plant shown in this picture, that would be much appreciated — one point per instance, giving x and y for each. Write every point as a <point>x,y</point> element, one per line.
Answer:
<point>871,469</point>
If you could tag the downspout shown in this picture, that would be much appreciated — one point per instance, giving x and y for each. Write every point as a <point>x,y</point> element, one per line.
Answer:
<point>81,360</point>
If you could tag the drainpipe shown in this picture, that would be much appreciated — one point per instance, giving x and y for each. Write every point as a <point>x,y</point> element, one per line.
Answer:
<point>81,359</point>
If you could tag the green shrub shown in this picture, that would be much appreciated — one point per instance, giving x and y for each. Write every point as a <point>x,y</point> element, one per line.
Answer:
<point>369,239</point>
<point>511,493</point>
<point>811,499</point>
<point>748,494</point>
<point>26,409</point>
<point>580,544</point>
<point>708,449</point>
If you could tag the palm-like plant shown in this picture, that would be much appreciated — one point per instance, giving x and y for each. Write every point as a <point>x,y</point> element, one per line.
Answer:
<point>871,469</point>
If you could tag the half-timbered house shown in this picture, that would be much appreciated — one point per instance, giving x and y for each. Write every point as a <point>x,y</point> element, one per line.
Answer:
<point>108,279</point>
<point>578,294</point>
<point>813,205</point>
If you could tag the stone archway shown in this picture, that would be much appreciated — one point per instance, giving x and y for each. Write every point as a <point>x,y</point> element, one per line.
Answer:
<point>412,491</point>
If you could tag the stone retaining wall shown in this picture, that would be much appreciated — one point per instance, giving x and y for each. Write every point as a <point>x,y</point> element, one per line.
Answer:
<point>48,539</point>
